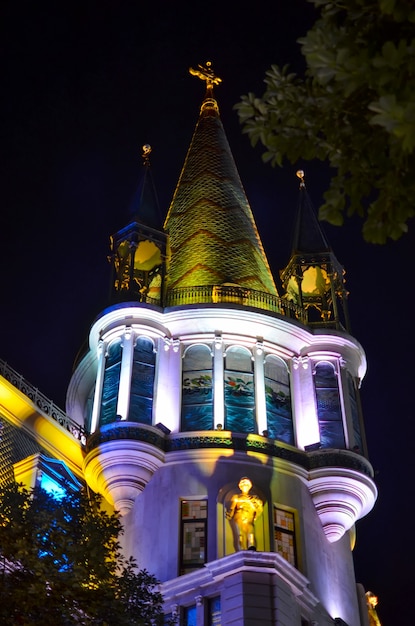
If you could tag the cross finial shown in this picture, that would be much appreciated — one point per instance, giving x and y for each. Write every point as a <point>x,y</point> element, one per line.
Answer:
<point>205,72</point>
<point>146,154</point>
<point>301,175</point>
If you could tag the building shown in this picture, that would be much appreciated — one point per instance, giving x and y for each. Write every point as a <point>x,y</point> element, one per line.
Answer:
<point>217,413</point>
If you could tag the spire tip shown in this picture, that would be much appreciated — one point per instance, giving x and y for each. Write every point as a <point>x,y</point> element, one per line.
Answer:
<point>300,174</point>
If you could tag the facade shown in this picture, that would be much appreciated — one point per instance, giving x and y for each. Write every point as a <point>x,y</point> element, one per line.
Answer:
<point>220,417</point>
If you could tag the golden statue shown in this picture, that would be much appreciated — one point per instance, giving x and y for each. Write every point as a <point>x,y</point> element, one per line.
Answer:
<point>243,511</point>
<point>372,601</point>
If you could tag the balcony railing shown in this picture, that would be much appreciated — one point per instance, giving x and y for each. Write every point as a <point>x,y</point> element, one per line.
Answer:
<point>45,405</point>
<point>230,294</point>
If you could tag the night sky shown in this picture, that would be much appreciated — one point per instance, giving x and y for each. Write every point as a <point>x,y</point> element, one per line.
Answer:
<point>84,86</point>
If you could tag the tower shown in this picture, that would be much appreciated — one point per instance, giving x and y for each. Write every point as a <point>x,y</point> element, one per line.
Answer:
<point>220,417</point>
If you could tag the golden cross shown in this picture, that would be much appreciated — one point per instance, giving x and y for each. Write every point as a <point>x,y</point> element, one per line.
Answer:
<point>206,73</point>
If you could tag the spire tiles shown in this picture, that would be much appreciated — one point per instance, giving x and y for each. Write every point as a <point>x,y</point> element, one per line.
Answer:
<point>212,233</point>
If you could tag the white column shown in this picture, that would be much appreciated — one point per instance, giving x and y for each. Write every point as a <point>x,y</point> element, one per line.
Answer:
<point>124,389</point>
<point>218,383</point>
<point>96,407</point>
<point>167,388</point>
<point>259,387</point>
<point>303,395</point>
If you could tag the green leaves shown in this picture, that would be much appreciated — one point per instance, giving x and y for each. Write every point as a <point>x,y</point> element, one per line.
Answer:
<point>354,109</point>
<point>61,564</point>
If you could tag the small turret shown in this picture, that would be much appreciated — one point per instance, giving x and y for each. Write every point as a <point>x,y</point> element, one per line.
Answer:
<point>138,250</point>
<point>314,279</point>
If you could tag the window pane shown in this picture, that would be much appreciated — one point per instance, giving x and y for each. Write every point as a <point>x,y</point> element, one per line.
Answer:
<point>355,414</point>
<point>142,382</point>
<point>284,535</point>
<point>197,396</point>
<point>239,391</point>
<point>328,407</point>
<point>214,612</point>
<point>111,384</point>
<point>278,401</point>
<point>193,534</point>
<point>189,616</point>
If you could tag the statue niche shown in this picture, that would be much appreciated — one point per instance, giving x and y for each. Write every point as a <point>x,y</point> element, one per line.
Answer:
<point>245,508</point>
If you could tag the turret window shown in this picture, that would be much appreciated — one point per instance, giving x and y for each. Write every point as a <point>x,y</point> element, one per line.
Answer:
<point>111,383</point>
<point>239,390</point>
<point>328,406</point>
<point>142,381</point>
<point>197,407</point>
<point>278,400</point>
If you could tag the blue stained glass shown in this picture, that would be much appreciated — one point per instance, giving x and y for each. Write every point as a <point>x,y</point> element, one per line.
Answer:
<point>111,384</point>
<point>215,618</point>
<point>240,419</point>
<point>197,394</point>
<point>328,407</point>
<point>355,413</point>
<point>142,382</point>
<point>196,417</point>
<point>189,616</point>
<point>331,435</point>
<point>280,427</point>
<point>240,403</point>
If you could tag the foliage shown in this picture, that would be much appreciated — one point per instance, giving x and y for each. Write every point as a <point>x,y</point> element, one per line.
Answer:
<point>61,564</point>
<point>354,109</point>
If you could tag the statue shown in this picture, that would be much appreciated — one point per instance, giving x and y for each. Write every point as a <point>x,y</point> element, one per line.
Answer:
<point>243,511</point>
<point>372,602</point>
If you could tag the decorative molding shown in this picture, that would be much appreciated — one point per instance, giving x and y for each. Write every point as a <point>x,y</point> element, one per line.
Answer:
<point>301,361</point>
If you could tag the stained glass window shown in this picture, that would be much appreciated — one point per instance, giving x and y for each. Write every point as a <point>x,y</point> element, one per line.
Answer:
<point>278,400</point>
<point>193,535</point>
<point>197,406</point>
<point>357,435</point>
<point>189,616</point>
<point>328,407</point>
<point>284,535</point>
<point>239,391</point>
<point>214,612</point>
<point>111,383</point>
<point>142,382</point>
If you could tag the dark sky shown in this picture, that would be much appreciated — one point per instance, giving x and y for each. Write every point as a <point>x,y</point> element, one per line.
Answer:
<point>84,86</point>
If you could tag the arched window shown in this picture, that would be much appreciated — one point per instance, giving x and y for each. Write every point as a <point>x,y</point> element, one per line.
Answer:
<point>197,406</point>
<point>111,383</point>
<point>278,400</point>
<point>142,382</point>
<point>239,391</point>
<point>328,406</point>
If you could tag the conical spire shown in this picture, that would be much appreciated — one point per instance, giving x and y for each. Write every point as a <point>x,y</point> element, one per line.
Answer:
<point>308,236</point>
<point>213,238</point>
<point>144,206</point>
<point>314,278</point>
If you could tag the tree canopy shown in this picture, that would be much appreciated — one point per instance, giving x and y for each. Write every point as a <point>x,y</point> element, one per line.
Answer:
<point>354,109</point>
<point>61,564</point>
